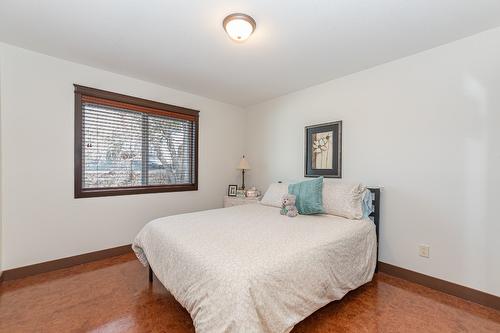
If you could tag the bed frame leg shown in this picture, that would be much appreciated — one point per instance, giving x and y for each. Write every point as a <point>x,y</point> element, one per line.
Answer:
<point>150,275</point>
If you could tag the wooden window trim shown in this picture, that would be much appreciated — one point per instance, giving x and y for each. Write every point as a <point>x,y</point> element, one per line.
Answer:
<point>83,93</point>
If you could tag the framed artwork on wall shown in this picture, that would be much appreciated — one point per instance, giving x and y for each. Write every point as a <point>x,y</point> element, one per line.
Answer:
<point>323,150</point>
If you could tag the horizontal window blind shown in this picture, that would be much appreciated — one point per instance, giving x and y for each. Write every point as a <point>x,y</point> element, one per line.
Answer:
<point>125,146</point>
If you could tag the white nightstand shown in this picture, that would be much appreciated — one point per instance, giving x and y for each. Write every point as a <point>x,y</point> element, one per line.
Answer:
<point>235,201</point>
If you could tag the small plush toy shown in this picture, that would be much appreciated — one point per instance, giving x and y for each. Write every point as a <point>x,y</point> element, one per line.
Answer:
<point>288,206</point>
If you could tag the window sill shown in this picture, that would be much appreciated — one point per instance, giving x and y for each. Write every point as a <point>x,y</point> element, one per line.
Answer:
<point>105,192</point>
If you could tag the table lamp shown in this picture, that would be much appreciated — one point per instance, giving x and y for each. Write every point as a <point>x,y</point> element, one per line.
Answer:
<point>244,165</point>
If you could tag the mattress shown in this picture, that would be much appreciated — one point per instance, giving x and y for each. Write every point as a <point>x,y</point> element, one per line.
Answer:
<point>249,269</point>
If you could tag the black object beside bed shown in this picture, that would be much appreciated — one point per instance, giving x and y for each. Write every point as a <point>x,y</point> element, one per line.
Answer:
<point>375,216</point>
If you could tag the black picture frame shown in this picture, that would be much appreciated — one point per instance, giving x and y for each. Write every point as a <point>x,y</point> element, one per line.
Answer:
<point>332,156</point>
<point>232,190</point>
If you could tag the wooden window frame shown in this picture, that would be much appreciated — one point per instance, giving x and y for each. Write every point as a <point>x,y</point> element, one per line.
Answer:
<point>135,104</point>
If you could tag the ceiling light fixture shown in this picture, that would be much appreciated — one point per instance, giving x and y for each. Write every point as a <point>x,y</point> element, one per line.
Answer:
<point>239,26</point>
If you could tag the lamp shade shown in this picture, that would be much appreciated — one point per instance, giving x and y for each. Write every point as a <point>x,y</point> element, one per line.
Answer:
<point>243,165</point>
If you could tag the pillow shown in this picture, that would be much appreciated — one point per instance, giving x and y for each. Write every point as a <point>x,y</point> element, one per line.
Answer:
<point>367,203</point>
<point>309,196</point>
<point>274,194</point>
<point>343,199</point>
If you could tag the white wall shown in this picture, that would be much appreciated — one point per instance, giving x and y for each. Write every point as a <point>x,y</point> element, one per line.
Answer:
<point>426,128</point>
<point>41,219</point>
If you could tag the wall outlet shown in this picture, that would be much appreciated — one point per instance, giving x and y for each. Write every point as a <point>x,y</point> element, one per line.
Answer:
<point>423,250</point>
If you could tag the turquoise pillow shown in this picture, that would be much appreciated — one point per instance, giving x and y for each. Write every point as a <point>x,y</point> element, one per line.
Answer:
<point>309,196</point>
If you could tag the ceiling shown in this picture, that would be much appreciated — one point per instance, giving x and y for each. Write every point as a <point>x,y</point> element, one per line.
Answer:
<point>181,43</point>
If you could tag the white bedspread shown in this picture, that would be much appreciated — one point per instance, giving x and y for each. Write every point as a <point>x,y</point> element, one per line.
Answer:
<point>249,269</point>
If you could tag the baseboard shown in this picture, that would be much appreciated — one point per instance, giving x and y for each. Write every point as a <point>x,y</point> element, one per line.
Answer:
<point>52,265</point>
<point>454,289</point>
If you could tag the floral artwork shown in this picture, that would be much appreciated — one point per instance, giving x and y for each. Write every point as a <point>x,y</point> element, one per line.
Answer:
<point>322,150</point>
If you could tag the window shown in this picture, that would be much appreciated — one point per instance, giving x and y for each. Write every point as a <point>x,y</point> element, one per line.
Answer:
<point>128,145</point>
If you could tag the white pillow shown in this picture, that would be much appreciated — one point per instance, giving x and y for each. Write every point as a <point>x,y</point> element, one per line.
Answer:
<point>274,194</point>
<point>343,199</point>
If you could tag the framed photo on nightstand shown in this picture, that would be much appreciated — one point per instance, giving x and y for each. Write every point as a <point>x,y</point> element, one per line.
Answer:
<point>232,190</point>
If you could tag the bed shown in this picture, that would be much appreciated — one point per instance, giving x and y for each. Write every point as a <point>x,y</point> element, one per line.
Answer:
<point>249,269</point>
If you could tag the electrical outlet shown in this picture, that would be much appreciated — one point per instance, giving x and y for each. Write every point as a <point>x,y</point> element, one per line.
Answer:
<point>423,250</point>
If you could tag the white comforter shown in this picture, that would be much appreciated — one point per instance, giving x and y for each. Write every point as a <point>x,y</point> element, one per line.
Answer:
<point>249,269</point>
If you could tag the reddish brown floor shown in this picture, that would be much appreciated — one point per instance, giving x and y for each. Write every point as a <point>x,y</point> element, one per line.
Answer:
<point>113,295</point>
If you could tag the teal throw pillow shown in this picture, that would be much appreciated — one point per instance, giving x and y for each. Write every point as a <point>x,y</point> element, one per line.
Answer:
<point>309,196</point>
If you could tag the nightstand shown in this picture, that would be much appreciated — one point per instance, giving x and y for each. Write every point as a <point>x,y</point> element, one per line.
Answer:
<point>235,201</point>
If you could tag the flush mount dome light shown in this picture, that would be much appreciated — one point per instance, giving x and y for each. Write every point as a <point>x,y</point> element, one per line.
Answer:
<point>239,26</point>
